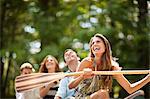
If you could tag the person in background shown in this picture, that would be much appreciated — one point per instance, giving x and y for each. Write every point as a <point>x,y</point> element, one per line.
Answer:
<point>49,65</point>
<point>100,59</point>
<point>27,68</point>
<point>72,61</point>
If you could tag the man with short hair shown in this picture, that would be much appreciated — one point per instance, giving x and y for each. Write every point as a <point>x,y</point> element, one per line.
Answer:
<point>72,61</point>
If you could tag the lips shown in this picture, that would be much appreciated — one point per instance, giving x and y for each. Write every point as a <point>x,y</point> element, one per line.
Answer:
<point>49,65</point>
<point>96,48</point>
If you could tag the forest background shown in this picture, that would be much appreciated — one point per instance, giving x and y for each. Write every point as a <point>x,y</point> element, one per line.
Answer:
<point>32,29</point>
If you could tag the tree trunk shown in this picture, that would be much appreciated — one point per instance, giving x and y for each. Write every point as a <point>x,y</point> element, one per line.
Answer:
<point>143,59</point>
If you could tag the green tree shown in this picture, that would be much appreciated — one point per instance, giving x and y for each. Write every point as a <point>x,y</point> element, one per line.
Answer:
<point>31,29</point>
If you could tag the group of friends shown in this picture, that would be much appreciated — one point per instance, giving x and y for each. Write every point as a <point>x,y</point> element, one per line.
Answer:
<point>86,85</point>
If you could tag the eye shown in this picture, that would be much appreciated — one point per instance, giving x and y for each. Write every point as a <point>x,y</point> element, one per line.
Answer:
<point>98,41</point>
<point>92,43</point>
<point>49,60</point>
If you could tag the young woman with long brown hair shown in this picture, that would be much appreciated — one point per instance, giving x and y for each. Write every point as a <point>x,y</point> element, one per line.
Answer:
<point>100,59</point>
<point>49,65</point>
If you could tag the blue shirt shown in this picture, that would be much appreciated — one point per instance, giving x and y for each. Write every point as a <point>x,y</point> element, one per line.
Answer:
<point>63,91</point>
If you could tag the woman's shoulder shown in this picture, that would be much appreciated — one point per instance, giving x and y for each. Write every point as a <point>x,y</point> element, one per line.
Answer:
<point>115,65</point>
<point>87,59</point>
<point>85,63</point>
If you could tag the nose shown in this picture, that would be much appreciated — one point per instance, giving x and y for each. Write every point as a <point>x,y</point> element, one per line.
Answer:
<point>93,43</point>
<point>68,53</point>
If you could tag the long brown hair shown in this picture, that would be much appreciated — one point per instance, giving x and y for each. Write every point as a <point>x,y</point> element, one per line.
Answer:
<point>106,59</point>
<point>43,68</point>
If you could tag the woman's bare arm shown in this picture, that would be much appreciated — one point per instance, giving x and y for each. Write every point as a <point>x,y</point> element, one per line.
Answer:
<point>84,64</point>
<point>130,88</point>
<point>44,90</point>
<point>75,82</point>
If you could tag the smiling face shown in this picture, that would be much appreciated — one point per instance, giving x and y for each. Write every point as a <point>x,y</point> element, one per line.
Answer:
<point>100,47</point>
<point>71,59</point>
<point>50,64</point>
<point>70,56</point>
<point>97,46</point>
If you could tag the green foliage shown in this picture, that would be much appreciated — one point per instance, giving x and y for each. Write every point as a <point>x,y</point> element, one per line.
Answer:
<point>58,23</point>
